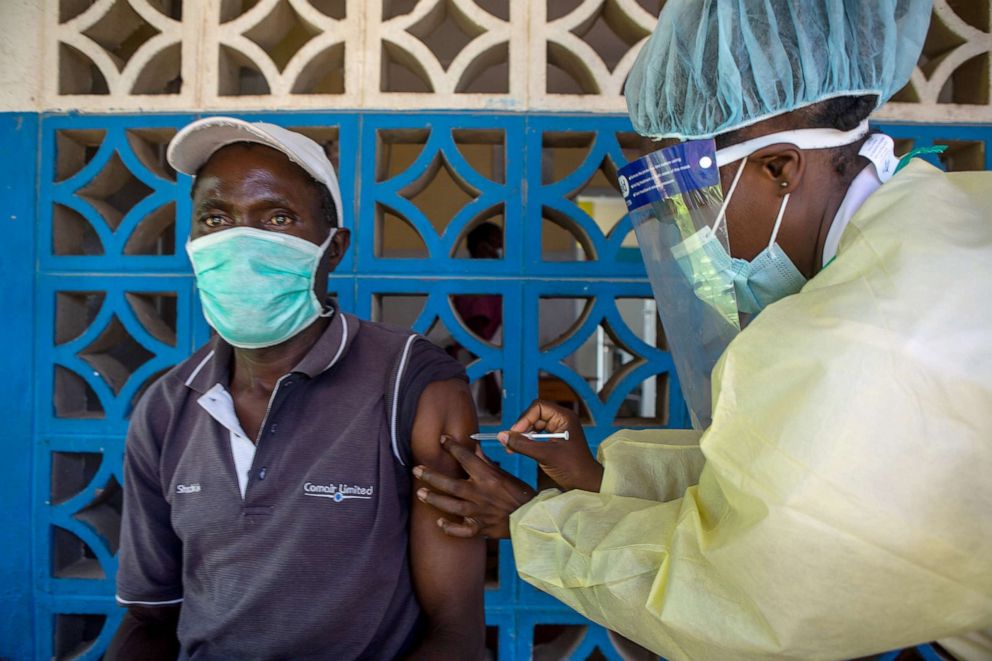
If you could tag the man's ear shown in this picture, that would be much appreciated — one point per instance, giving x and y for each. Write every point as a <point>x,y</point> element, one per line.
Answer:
<point>336,250</point>
<point>783,166</point>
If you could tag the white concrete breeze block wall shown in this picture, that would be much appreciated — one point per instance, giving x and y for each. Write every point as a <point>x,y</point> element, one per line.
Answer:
<point>508,55</point>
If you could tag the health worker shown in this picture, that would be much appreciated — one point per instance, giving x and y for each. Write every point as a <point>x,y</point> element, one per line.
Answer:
<point>826,303</point>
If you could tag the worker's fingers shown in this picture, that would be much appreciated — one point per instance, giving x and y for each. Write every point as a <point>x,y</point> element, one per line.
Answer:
<point>468,459</point>
<point>529,448</point>
<point>441,482</point>
<point>542,416</point>
<point>528,418</point>
<point>468,528</point>
<point>445,503</point>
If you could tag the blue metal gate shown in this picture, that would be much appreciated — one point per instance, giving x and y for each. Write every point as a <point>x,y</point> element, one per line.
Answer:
<point>101,301</point>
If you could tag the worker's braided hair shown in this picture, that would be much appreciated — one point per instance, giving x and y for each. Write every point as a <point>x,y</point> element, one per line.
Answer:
<point>843,113</point>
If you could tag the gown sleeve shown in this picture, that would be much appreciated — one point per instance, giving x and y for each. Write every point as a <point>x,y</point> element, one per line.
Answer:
<point>676,464</point>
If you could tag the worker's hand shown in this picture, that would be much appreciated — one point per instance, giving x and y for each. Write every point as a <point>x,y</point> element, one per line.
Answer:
<point>483,503</point>
<point>568,462</point>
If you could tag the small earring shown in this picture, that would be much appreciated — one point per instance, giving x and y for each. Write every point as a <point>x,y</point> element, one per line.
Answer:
<point>783,184</point>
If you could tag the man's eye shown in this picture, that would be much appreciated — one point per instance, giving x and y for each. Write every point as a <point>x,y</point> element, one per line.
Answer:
<point>281,219</point>
<point>213,221</point>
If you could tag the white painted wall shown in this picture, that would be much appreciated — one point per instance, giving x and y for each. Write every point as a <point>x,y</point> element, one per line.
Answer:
<point>20,55</point>
<point>343,54</point>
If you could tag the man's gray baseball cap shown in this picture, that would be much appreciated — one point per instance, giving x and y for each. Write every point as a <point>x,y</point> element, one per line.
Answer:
<point>197,142</point>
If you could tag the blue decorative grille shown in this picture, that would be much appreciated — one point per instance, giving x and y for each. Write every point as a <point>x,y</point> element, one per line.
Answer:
<point>115,306</point>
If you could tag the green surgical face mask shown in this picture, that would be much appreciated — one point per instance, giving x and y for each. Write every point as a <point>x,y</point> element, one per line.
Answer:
<point>257,287</point>
<point>756,284</point>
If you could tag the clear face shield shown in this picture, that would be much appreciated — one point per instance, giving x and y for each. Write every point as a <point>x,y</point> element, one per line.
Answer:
<point>674,198</point>
<point>677,208</point>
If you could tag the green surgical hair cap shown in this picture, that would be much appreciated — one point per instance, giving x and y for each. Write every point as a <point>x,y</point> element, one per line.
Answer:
<point>713,66</point>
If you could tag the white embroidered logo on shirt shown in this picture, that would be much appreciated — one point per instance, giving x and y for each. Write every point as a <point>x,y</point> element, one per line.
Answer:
<point>188,488</point>
<point>338,492</point>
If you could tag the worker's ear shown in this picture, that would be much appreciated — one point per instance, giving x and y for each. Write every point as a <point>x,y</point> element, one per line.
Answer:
<point>783,166</point>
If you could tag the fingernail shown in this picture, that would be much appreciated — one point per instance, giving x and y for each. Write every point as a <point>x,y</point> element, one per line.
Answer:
<point>422,494</point>
<point>444,439</point>
<point>440,524</point>
<point>418,471</point>
<point>504,437</point>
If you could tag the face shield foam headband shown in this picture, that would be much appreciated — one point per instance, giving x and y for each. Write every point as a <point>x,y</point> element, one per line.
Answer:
<point>799,138</point>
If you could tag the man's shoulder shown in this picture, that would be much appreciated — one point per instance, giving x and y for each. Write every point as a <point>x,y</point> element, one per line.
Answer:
<point>417,353</point>
<point>394,343</point>
<point>382,331</point>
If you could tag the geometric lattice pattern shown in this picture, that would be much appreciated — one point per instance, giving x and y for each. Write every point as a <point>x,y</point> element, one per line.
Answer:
<point>114,300</point>
<point>550,55</point>
<point>116,307</point>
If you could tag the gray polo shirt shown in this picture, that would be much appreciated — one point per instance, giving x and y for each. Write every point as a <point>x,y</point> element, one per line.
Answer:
<point>294,548</point>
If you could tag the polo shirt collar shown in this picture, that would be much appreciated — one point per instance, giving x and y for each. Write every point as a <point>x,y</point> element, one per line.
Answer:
<point>331,346</point>
<point>215,366</point>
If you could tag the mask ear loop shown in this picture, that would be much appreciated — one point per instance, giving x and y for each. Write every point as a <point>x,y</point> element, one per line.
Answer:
<point>730,193</point>
<point>324,311</point>
<point>778,220</point>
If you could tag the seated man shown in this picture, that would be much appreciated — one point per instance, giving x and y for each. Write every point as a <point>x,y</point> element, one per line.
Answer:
<point>268,509</point>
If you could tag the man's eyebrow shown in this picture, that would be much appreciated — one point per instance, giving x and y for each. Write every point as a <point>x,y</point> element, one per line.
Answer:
<point>211,203</point>
<point>265,202</point>
<point>274,202</point>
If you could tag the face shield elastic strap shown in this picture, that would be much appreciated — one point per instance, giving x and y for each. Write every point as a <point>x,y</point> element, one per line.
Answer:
<point>799,138</point>
<point>730,193</point>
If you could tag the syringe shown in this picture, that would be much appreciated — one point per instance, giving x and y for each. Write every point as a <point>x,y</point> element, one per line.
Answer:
<point>534,436</point>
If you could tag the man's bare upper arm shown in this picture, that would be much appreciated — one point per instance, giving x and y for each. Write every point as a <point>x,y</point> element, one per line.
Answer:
<point>448,573</point>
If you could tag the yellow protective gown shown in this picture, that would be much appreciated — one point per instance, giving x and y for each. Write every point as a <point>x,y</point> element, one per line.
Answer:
<point>840,504</point>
